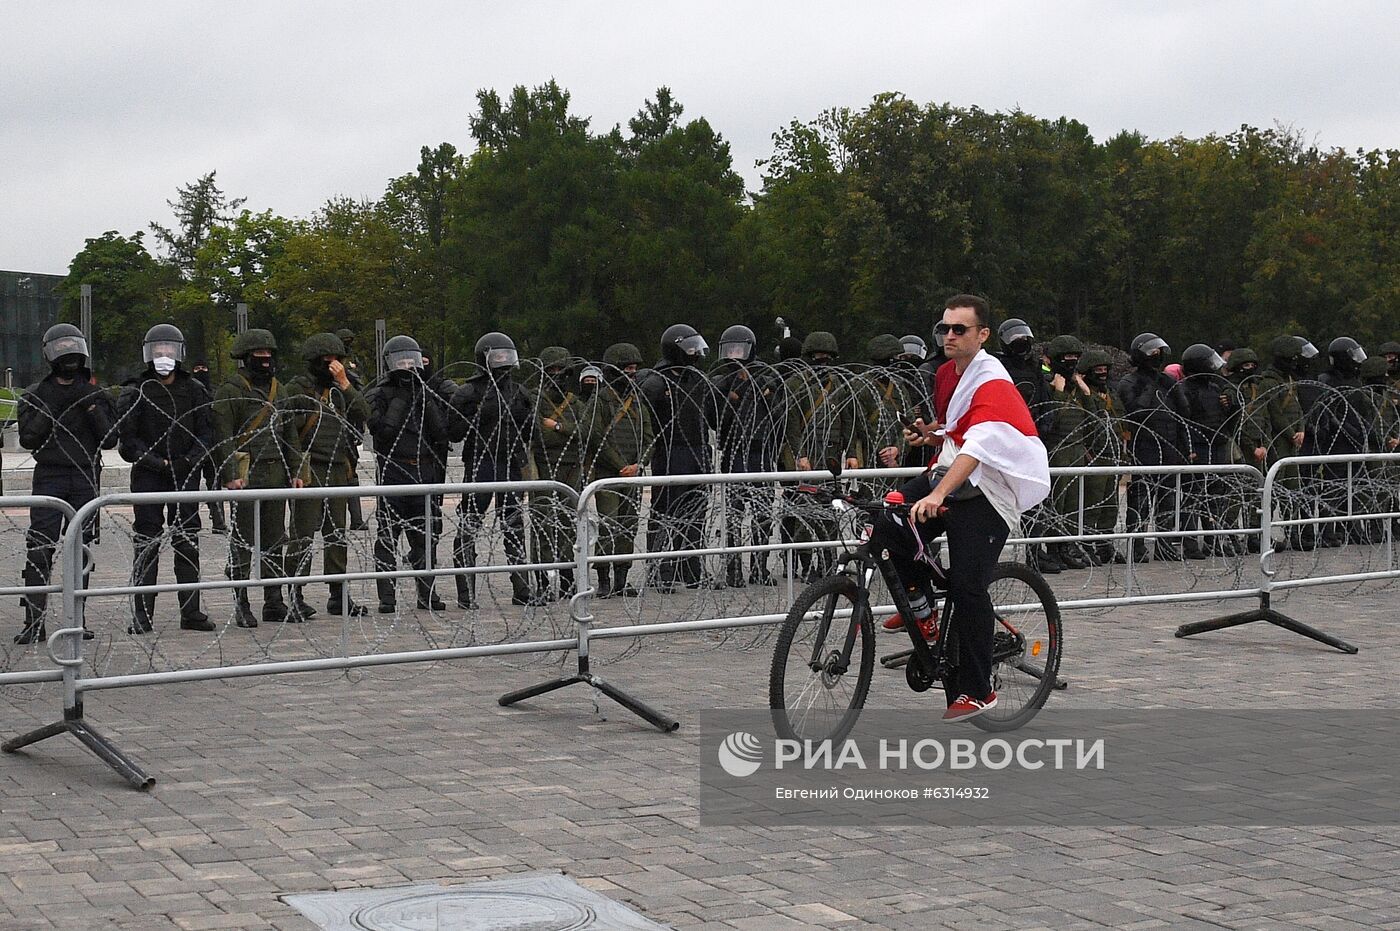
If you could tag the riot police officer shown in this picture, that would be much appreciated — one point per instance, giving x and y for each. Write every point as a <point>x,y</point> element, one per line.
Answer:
<point>494,417</point>
<point>620,426</point>
<point>1103,446</point>
<point>330,416</point>
<point>1212,408</point>
<point>258,448</point>
<point>65,421</point>
<point>1344,423</point>
<point>685,408</point>
<point>558,456</point>
<point>166,430</point>
<point>1390,351</point>
<point>1154,418</point>
<point>1063,423</point>
<point>406,424</point>
<point>354,508</point>
<point>750,433</point>
<point>815,433</point>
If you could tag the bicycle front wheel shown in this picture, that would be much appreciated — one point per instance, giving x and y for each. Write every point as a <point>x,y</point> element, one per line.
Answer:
<point>823,662</point>
<point>1026,646</point>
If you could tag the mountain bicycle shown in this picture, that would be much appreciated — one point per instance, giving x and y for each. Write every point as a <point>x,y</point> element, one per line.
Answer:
<point>824,657</point>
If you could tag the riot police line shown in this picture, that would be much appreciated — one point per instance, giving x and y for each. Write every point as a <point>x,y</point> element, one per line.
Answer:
<point>569,420</point>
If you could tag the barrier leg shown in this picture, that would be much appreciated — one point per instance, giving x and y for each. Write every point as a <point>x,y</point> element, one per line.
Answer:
<point>1265,613</point>
<point>73,723</point>
<point>642,710</point>
<point>578,610</point>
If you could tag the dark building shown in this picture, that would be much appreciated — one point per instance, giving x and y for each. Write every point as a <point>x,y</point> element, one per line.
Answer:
<point>28,306</point>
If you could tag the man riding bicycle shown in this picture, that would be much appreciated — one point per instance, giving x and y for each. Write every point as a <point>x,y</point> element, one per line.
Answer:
<point>996,469</point>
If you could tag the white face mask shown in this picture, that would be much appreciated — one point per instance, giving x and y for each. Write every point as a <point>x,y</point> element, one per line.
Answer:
<point>163,365</point>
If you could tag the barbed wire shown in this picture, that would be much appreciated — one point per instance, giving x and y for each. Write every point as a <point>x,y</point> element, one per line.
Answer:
<point>677,419</point>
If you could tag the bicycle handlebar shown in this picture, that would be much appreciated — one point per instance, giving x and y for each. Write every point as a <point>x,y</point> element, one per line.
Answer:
<point>871,505</point>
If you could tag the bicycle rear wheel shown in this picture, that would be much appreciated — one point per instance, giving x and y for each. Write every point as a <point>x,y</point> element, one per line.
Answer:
<point>823,662</point>
<point>1026,646</point>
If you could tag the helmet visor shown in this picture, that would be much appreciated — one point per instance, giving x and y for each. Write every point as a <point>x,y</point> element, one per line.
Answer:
<point>694,346</point>
<point>912,347</point>
<point>1308,350</point>
<point>502,358</point>
<point>403,360</point>
<point>164,349</point>
<point>1010,335</point>
<point>1214,363</point>
<point>1357,354</point>
<point>738,349</point>
<point>1154,344</point>
<point>56,349</point>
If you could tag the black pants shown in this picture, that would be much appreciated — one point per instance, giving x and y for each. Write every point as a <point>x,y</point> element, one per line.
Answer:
<point>1151,498</point>
<point>46,525</point>
<point>149,521</point>
<point>471,517</point>
<point>748,512</point>
<point>677,518</point>
<point>976,535</point>
<point>406,516</point>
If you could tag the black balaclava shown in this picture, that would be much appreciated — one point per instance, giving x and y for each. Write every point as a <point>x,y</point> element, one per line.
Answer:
<point>263,367</point>
<point>69,366</point>
<point>1065,366</point>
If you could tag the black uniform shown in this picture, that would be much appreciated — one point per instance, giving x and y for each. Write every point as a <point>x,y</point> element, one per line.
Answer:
<point>1212,407</point>
<point>1342,422</point>
<point>407,426</point>
<point>208,469</point>
<point>685,408</point>
<point>166,433</point>
<point>1155,416</point>
<point>66,427</point>
<point>751,419</point>
<point>494,417</point>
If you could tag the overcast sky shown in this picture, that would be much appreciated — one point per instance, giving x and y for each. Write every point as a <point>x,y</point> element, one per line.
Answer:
<point>105,108</point>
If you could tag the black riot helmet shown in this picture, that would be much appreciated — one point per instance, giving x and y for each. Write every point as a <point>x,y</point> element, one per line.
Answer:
<point>64,339</point>
<point>164,340</point>
<point>1347,356</point>
<point>736,344</point>
<point>1200,359</point>
<point>913,347</point>
<point>1016,337</point>
<point>1148,350</point>
<point>402,354</point>
<point>495,352</point>
<point>682,345</point>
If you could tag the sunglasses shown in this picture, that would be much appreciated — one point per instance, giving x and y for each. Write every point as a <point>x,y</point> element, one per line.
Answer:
<point>957,329</point>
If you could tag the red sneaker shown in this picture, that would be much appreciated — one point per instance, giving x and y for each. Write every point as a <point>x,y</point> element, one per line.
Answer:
<point>964,708</point>
<point>894,623</point>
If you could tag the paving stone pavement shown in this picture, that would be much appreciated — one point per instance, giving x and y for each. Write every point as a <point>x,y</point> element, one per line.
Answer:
<point>407,775</point>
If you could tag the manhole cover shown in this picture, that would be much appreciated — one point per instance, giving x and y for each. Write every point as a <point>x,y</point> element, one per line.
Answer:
<point>524,902</point>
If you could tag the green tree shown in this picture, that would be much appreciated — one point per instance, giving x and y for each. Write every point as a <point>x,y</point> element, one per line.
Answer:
<point>198,207</point>
<point>128,297</point>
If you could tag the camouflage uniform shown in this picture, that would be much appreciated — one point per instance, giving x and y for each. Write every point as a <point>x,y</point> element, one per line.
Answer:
<point>618,433</point>
<point>257,442</point>
<point>557,456</point>
<point>330,421</point>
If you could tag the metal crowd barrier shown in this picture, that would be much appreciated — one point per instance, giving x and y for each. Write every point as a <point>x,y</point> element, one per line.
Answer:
<point>65,645</point>
<point>30,502</point>
<point>1267,522</point>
